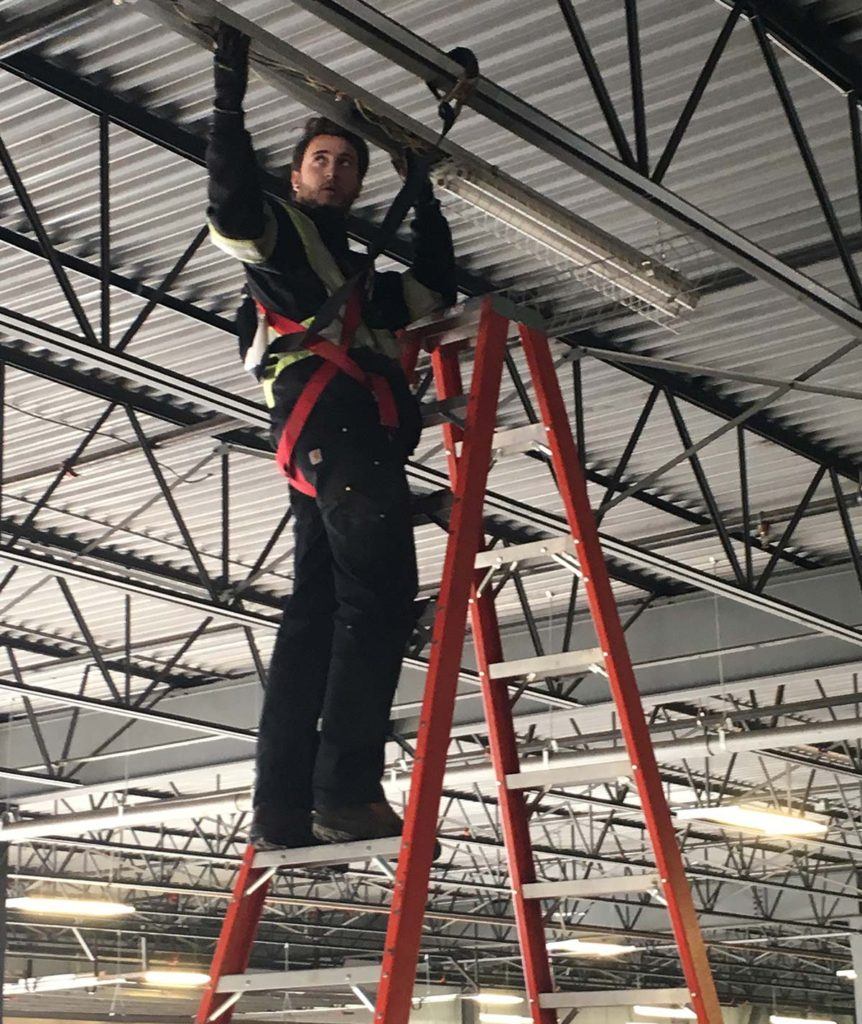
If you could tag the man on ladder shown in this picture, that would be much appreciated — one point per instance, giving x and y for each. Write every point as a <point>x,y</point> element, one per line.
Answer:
<point>344,424</point>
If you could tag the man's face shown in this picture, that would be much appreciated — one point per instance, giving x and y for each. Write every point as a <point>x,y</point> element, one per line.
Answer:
<point>329,173</point>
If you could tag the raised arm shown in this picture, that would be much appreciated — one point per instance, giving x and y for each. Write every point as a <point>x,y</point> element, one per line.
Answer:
<point>240,220</point>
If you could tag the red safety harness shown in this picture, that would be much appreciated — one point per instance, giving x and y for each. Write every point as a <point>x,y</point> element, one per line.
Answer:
<point>335,359</point>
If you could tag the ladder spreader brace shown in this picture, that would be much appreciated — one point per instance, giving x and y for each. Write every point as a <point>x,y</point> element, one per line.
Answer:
<point>469,453</point>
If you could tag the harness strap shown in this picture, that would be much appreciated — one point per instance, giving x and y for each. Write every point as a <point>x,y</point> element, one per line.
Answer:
<point>336,359</point>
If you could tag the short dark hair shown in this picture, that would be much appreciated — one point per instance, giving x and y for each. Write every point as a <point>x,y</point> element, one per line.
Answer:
<point>315,126</point>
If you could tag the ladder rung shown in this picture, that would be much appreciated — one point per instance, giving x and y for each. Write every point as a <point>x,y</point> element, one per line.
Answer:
<point>514,440</point>
<point>297,981</point>
<point>548,665</point>
<point>589,887</point>
<point>335,853</point>
<point>570,775</point>
<point>623,997</point>
<point>534,550</point>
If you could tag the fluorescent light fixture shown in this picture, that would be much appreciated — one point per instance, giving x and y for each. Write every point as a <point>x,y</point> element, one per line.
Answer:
<point>846,972</point>
<point>150,812</point>
<point>579,947</point>
<point>60,983</point>
<point>666,1012</point>
<point>778,1019</point>
<point>605,260</point>
<point>176,979</point>
<point>504,1018</point>
<point>771,823</point>
<point>63,907</point>
<point>440,997</point>
<point>494,998</point>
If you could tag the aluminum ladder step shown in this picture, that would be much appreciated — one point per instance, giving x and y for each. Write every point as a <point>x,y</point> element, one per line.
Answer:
<point>523,554</point>
<point>548,665</point>
<point>298,981</point>
<point>331,853</point>
<point>622,997</point>
<point>570,774</point>
<point>587,888</point>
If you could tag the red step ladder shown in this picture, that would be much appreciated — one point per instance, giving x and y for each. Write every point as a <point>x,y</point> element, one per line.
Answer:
<point>461,591</point>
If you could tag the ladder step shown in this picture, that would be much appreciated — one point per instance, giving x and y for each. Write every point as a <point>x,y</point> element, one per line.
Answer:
<point>623,997</point>
<point>534,550</point>
<point>571,775</point>
<point>515,440</point>
<point>548,665</point>
<point>335,853</point>
<point>297,981</point>
<point>590,887</point>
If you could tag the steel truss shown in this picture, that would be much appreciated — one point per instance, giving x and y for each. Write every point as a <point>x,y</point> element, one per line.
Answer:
<point>208,584</point>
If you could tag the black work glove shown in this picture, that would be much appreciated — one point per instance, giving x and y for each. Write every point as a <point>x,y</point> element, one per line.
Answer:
<point>230,67</point>
<point>407,163</point>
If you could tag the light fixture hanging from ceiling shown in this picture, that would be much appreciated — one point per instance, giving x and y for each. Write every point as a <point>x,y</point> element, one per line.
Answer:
<point>609,261</point>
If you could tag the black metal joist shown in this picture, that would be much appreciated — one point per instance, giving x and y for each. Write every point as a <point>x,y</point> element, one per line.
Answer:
<point>191,146</point>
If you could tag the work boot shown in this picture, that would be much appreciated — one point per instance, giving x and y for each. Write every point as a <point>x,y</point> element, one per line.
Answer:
<point>359,821</point>
<point>281,830</point>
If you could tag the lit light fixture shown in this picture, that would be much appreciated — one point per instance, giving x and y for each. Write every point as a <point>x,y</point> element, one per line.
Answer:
<point>770,823</point>
<point>778,1019</point>
<point>176,979</point>
<point>578,947</point>
<point>440,997</point>
<point>63,907</point>
<point>494,998</point>
<point>605,260</point>
<point>666,1012</point>
<point>504,1018</point>
<point>846,972</point>
<point>60,983</point>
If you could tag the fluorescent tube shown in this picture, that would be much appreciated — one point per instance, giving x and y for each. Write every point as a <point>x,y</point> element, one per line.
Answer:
<point>494,998</point>
<point>64,907</point>
<point>578,947</point>
<point>176,979</point>
<point>771,823</point>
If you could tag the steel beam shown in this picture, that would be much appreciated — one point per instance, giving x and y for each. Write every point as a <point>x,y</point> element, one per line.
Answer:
<point>184,143</point>
<point>367,25</point>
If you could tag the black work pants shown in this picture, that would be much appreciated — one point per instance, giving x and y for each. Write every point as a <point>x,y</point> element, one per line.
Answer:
<point>339,648</point>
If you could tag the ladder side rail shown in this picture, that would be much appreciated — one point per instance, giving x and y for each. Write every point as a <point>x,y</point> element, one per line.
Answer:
<point>404,931</point>
<point>623,685</point>
<point>233,949</point>
<point>503,744</point>
<point>513,805</point>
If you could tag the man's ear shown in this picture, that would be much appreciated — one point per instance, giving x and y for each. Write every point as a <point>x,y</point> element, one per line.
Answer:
<point>294,180</point>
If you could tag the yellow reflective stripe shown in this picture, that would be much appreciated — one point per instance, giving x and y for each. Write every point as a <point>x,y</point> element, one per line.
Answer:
<point>249,250</point>
<point>274,369</point>
<point>322,263</point>
<point>419,298</point>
